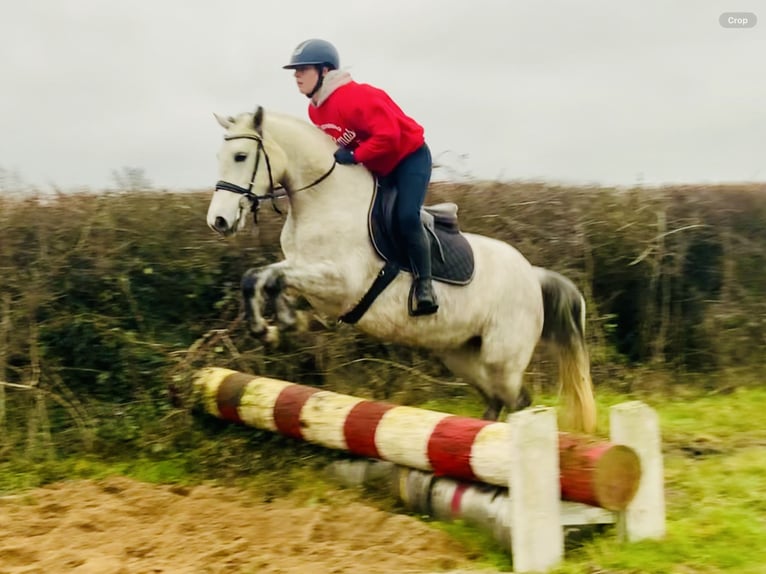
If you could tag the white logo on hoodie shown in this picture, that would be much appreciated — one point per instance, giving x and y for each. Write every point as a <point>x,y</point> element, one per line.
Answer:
<point>345,138</point>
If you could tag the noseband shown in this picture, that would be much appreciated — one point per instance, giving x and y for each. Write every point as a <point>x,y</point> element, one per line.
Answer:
<point>253,198</point>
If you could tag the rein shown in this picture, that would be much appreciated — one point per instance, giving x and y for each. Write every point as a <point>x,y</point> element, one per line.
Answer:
<point>255,199</point>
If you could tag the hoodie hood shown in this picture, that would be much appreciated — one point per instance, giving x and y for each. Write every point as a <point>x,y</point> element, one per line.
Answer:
<point>333,80</point>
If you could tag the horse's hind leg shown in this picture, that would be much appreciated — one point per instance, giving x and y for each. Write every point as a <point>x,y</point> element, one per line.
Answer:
<point>524,399</point>
<point>499,385</point>
<point>494,408</point>
<point>507,349</point>
<point>494,405</point>
<point>507,387</point>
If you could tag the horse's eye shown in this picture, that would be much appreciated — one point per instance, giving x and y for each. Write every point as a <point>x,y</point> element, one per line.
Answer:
<point>240,156</point>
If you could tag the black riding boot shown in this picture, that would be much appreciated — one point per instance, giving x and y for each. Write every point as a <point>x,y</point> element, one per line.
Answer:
<point>420,257</point>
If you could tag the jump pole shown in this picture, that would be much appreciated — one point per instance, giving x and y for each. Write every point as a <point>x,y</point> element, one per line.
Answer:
<point>525,512</point>
<point>527,517</point>
<point>593,472</point>
<point>483,505</point>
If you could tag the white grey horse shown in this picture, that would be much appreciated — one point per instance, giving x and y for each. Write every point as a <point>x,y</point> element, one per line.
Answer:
<point>485,332</point>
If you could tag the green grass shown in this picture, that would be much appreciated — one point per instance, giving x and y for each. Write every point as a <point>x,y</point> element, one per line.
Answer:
<point>715,482</point>
<point>484,550</point>
<point>716,521</point>
<point>16,475</point>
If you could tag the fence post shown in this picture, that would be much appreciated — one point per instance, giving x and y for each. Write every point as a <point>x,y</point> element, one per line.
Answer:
<point>537,539</point>
<point>636,425</point>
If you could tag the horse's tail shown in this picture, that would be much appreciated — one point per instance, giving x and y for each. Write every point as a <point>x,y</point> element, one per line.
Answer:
<point>564,327</point>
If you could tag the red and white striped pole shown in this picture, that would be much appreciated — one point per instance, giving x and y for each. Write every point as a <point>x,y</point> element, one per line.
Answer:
<point>593,472</point>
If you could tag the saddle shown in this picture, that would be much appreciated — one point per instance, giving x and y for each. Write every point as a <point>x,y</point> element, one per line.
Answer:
<point>451,254</point>
<point>452,259</point>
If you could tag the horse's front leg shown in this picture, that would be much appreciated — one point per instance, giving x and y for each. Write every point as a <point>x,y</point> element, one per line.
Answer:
<point>263,291</point>
<point>264,299</point>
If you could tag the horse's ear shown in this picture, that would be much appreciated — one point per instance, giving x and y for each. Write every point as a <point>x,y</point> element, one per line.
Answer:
<point>258,119</point>
<point>225,122</point>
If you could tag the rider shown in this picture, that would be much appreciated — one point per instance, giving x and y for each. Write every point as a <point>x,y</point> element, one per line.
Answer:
<point>371,129</point>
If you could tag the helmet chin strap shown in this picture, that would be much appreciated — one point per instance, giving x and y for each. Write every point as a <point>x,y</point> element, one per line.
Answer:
<point>318,84</point>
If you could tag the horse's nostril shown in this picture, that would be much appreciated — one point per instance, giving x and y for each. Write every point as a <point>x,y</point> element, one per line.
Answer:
<point>220,224</point>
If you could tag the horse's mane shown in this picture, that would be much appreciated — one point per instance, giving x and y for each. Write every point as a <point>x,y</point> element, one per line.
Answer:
<point>295,128</point>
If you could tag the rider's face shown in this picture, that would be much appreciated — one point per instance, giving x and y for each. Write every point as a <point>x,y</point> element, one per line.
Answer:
<point>306,77</point>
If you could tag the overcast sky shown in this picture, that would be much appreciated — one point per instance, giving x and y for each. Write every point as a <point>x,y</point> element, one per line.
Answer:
<point>609,92</point>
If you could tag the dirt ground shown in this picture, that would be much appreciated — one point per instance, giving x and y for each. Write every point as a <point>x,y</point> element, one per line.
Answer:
<point>120,526</point>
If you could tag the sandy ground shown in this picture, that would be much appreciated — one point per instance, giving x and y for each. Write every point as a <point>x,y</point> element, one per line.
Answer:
<point>120,526</point>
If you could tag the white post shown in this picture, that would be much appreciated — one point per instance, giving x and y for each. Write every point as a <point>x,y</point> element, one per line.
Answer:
<point>636,425</point>
<point>537,539</point>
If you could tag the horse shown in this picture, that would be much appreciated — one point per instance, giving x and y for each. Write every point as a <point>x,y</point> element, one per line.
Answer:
<point>485,331</point>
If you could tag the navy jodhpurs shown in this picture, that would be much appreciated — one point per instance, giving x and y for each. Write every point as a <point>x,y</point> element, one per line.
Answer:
<point>411,177</point>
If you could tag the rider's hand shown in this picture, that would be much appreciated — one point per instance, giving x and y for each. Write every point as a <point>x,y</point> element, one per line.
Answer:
<point>344,156</point>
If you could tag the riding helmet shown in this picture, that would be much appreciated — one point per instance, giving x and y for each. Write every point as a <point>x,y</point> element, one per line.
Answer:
<point>314,52</point>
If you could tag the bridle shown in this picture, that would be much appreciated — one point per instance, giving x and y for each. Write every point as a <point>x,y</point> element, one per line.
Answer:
<point>253,198</point>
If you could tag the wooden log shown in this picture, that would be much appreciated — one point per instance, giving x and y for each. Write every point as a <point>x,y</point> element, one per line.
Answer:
<point>597,472</point>
<point>593,472</point>
<point>483,505</point>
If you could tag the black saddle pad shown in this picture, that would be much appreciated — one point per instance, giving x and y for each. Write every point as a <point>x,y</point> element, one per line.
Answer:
<point>451,254</point>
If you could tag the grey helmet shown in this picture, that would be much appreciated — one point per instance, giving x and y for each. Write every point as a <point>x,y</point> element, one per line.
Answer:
<point>314,52</point>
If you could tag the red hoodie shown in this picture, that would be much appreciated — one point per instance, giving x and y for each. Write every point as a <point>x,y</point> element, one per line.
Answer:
<point>365,119</point>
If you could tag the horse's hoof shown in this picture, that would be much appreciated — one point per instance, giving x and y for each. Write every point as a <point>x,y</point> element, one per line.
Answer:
<point>258,332</point>
<point>272,336</point>
<point>286,319</point>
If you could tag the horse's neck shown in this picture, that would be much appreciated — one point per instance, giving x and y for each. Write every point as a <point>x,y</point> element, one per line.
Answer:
<point>340,200</point>
<point>308,150</point>
<point>326,225</point>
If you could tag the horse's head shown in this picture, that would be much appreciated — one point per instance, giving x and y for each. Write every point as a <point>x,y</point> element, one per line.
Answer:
<point>250,164</point>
